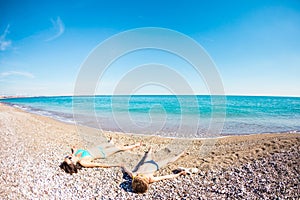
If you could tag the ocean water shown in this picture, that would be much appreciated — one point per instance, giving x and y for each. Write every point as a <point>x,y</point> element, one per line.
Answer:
<point>171,116</point>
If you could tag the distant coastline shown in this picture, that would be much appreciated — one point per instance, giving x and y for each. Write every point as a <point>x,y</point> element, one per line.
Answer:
<point>12,96</point>
<point>69,95</point>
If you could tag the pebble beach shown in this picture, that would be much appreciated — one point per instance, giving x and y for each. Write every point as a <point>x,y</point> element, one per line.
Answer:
<point>259,166</point>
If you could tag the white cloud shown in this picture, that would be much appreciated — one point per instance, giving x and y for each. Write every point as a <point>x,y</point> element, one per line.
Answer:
<point>4,43</point>
<point>16,73</point>
<point>59,28</point>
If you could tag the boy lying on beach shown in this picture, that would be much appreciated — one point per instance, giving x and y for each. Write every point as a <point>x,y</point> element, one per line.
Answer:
<point>143,174</point>
<point>83,158</point>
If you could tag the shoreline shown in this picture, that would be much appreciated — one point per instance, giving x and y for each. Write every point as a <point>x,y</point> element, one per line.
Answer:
<point>35,145</point>
<point>146,135</point>
<point>83,132</point>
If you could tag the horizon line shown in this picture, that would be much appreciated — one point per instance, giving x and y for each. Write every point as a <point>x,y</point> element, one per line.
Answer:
<point>70,95</point>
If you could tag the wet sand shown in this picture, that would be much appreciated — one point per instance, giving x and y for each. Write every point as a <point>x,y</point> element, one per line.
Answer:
<point>249,166</point>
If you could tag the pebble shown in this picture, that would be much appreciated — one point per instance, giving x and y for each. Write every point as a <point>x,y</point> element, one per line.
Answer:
<point>26,174</point>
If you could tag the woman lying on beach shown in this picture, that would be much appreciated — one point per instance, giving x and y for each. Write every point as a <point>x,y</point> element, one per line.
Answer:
<point>143,174</point>
<point>83,158</point>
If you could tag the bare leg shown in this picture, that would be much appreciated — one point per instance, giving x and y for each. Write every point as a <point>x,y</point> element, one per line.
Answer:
<point>105,145</point>
<point>109,144</point>
<point>113,149</point>
<point>100,151</point>
<point>140,163</point>
<point>166,161</point>
<point>147,164</point>
<point>125,148</point>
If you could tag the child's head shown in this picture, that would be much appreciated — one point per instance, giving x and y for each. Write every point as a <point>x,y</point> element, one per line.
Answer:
<point>140,184</point>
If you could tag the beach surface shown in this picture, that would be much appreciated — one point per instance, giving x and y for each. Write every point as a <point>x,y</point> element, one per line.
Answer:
<point>238,167</point>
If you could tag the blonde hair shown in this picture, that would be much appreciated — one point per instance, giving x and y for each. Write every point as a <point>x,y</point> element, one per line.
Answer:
<point>140,184</point>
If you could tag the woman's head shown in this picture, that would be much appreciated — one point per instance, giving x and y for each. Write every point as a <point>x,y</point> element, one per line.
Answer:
<point>70,164</point>
<point>140,184</point>
<point>69,168</point>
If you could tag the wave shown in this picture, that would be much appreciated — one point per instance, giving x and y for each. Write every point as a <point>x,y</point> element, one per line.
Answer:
<point>60,116</point>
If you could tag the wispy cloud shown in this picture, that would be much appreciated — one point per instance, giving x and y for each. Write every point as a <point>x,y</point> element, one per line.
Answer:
<point>4,43</point>
<point>59,28</point>
<point>16,73</point>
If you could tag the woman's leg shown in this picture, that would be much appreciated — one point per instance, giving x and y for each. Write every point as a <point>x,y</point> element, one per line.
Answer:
<point>107,149</point>
<point>112,149</point>
<point>125,148</point>
<point>109,144</point>
<point>147,165</point>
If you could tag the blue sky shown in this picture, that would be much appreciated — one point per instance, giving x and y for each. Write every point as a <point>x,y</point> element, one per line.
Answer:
<point>254,44</point>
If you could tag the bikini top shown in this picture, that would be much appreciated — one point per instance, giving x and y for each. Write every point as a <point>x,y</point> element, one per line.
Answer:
<point>84,153</point>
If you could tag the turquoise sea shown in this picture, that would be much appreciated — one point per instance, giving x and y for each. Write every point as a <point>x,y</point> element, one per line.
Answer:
<point>167,115</point>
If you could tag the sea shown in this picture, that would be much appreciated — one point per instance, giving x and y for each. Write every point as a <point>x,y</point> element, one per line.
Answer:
<point>184,116</point>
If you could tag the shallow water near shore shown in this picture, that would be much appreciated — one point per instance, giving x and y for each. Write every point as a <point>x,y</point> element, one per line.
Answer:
<point>170,115</point>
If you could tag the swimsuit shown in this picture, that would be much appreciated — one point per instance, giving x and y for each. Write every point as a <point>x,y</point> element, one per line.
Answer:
<point>95,152</point>
<point>84,153</point>
<point>100,151</point>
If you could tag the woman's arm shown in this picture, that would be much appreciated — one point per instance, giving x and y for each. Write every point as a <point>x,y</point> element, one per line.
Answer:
<point>170,176</point>
<point>86,163</point>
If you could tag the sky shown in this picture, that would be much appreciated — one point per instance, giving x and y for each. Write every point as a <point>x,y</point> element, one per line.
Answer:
<point>254,44</point>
